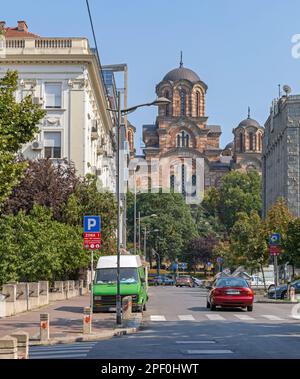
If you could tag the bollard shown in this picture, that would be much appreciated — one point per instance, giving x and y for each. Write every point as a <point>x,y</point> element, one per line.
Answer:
<point>292,293</point>
<point>87,321</point>
<point>127,307</point>
<point>22,344</point>
<point>44,327</point>
<point>8,348</point>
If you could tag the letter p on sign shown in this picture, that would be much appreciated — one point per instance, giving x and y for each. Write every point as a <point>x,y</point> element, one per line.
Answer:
<point>92,224</point>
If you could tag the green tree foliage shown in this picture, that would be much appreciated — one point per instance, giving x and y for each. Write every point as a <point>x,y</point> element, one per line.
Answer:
<point>239,192</point>
<point>208,224</point>
<point>36,247</point>
<point>18,125</point>
<point>248,245</point>
<point>174,221</point>
<point>292,243</point>
<point>87,200</point>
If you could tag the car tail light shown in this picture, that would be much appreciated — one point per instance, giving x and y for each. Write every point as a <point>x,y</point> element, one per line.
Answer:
<point>218,291</point>
<point>246,291</point>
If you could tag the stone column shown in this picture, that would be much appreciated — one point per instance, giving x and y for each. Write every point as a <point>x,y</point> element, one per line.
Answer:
<point>87,321</point>
<point>22,344</point>
<point>44,327</point>
<point>8,348</point>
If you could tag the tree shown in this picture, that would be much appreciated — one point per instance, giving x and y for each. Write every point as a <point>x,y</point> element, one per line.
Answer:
<point>291,244</point>
<point>200,251</point>
<point>208,224</point>
<point>45,184</point>
<point>87,200</point>
<point>36,247</point>
<point>248,245</point>
<point>173,221</point>
<point>18,125</point>
<point>239,192</point>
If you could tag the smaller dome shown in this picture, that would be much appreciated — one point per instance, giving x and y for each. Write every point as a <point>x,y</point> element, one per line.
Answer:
<point>229,146</point>
<point>182,73</point>
<point>249,122</point>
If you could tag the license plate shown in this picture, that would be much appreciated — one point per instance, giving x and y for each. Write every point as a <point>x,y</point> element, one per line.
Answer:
<point>233,292</point>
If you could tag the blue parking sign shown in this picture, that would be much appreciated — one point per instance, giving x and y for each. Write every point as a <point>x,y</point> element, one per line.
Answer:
<point>274,239</point>
<point>92,224</point>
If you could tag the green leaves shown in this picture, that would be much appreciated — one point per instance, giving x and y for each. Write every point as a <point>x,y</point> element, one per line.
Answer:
<point>18,125</point>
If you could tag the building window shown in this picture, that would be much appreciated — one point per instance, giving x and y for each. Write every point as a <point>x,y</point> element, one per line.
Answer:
<point>172,183</point>
<point>167,96</point>
<point>183,139</point>
<point>241,143</point>
<point>251,145</point>
<point>53,95</point>
<point>194,183</point>
<point>183,180</point>
<point>182,103</point>
<point>197,104</point>
<point>52,145</point>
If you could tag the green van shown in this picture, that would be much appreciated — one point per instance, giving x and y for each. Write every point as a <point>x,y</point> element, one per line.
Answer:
<point>133,282</point>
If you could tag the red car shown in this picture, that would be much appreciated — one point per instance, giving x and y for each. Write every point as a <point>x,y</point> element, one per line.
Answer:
<point>230,292</point>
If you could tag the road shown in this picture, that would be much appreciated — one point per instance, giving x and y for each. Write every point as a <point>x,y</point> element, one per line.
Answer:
<point>177,325</point>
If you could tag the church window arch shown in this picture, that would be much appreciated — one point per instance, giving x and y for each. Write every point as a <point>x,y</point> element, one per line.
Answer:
<point>251,141</point>
<point>182,103</point>
<point>241,143</point>
<point>167,109</point>
<point>197,104</point>
<point>183,139</point>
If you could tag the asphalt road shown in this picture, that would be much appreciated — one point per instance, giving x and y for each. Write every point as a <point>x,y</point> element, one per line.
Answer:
<point>177,325</point>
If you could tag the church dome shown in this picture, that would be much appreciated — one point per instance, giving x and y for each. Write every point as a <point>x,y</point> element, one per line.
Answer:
<point>229,146</point>
<point>249,122</point>
<point>182,73</point>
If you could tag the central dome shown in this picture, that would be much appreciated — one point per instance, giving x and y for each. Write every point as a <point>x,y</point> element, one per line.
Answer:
<point>182,73</point>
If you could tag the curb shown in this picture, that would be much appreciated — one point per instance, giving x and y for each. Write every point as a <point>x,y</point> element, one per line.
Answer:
<point>132,327</point>
<point>276,302</point>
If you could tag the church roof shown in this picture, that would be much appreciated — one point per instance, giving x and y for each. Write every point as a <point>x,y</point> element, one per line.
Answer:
<point>182,73</point>
<point>229,146</point>
<point>249,122</point>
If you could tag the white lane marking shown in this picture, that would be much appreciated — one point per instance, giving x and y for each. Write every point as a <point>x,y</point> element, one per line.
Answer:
<point>272,317</point>
<point>40,352</point>
<point>186,317</point>
<point>208,352</point>
<point>244,317</point>
<point>194,342</point>
<point>63,347</point>
<point>157,318</point>
<point>214,317</point>
<point>60,356</point>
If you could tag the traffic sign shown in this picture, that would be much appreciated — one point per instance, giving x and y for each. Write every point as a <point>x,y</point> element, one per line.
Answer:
<point>274,250</point>
<point>92,232</point>
<point>209,264</point>
<point>274,239</point>
<point>183,266</point>
<point>220,260</point>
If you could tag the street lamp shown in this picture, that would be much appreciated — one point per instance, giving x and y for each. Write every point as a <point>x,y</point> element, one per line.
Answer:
<point>123,112</point>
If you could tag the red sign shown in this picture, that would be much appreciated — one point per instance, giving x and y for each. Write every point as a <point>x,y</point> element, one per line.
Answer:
<point>92,241</point>
<point>274,250</point>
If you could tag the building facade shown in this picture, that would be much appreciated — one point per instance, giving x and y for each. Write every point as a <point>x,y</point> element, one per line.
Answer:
<point>281,154</point>
<point>182,136</point>
<point>246,148</point>
<point>64,76</point>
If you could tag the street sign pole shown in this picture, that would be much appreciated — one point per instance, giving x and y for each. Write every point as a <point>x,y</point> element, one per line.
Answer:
<point>92,279</point>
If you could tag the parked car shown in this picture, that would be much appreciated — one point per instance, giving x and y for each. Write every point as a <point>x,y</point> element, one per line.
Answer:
<point>282,290</point>
<point>184,281</point>
<point>198,282</point>
<point>164,280</point>
<point>257,281</point>
<point>232,292</point>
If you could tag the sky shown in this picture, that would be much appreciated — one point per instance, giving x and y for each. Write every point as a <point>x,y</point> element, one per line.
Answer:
<point>240,48</point>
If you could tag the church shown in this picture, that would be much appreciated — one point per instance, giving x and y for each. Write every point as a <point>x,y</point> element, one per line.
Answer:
<point>182,136</point>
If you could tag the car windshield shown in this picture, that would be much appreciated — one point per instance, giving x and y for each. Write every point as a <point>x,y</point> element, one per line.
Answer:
<point>109,275</point>
<point>231,282</point>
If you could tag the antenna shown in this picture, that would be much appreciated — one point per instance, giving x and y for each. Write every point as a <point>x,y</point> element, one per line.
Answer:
<point>287,89</point>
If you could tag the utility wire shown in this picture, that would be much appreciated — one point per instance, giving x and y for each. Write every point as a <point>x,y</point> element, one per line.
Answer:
<point>96,46</point>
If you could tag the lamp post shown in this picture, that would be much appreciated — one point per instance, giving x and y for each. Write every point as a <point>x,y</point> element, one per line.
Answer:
<point>123,112</point>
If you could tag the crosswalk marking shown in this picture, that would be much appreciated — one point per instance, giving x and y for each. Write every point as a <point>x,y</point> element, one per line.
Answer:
<point>244,317</point>
<point>60,356</point>
<point>194,342</point>
<point>208,352</point>
<point>186,317</point>
<point>79,350</point>
<point>158,318</point>
<point>215,317</point>
<point>272,318</point>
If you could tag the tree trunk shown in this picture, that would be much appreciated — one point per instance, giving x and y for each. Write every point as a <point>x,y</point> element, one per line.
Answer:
<point>263,274</point>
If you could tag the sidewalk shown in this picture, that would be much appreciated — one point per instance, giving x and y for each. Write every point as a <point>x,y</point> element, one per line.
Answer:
<point>66,320</point>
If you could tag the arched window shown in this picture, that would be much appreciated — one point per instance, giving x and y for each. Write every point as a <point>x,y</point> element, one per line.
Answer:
<point>259,141</point>
<point>172,182</point>
<point>241,143</point>
<point>251,146</point>
<point>197,104</point>
<point>167,96</point>
<point>182,103</point>
<point>194,183</point>
<point>183,139</point>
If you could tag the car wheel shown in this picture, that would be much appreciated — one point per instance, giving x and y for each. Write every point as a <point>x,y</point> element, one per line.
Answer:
<point>145,307</point>
<point>207,305</point>
<point>250,308</point>
<point>283,295</point>
<point>212,307</point>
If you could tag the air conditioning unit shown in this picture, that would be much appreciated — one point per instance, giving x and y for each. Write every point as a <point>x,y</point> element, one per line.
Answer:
<point>37,145</point>
<point>37,101</point>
